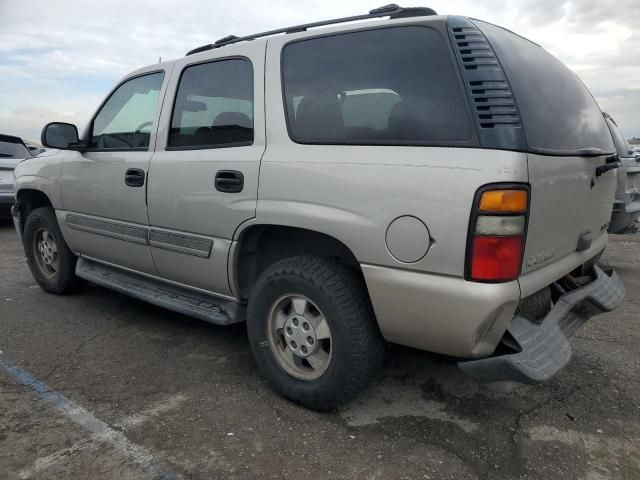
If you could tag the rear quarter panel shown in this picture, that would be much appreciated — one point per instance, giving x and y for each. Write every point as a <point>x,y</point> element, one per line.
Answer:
<point>353,193</point>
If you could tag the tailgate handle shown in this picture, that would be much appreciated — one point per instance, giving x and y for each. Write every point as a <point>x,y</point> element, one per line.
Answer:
<point>613,162</point>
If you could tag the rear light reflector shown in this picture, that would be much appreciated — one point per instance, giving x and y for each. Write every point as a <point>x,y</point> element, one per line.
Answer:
<point>497,234</point>
<point>496,258</point>
<point>500,226</point>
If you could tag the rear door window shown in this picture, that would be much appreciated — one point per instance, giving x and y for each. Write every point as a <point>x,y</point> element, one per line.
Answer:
<point>389,86</point>
<point>559,114</point>
<point>214,106</point>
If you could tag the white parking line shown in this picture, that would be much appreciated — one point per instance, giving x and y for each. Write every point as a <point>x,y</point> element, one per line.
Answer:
<point>99,429</point>
<point>166,405</point>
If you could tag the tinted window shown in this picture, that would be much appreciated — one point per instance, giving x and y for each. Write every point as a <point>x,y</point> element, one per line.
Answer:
<point>13,150</point>
<point>559,114</point>
<point>385,86</point>
<point>214,106</point>
<point>125,121</point>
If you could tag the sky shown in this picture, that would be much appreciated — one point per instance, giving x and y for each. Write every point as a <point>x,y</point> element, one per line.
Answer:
<point>59,59</point>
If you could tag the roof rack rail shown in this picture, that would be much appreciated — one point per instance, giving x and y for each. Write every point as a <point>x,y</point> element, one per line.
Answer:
<point>392,11</point>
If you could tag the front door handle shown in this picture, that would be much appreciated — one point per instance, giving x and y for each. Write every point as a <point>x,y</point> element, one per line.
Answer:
<point>229,181</point>
<point>134,177</point>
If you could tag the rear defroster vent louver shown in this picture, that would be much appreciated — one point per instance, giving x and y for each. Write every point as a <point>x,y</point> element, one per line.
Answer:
<point>487,87</point>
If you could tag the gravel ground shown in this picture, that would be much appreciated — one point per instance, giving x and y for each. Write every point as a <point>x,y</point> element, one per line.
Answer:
<point>131,391</point>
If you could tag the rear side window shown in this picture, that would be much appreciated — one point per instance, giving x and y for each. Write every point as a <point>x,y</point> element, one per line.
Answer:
<point>214,106</point>
<point>390,86</point>
<point>559,114</point>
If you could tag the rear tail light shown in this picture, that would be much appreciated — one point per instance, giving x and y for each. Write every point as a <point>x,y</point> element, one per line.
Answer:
<point>497,234</point>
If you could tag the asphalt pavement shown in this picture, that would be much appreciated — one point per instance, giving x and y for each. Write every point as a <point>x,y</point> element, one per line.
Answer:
<point>97,385</point>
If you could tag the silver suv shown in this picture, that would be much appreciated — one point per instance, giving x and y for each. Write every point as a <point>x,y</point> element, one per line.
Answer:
<point>437,182</point>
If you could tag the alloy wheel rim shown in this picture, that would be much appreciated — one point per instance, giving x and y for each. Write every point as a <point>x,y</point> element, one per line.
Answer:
<point>299,337</point>
<point>46,252</point>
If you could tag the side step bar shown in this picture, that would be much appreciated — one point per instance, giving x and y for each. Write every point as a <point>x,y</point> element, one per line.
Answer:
<point>205,307</point>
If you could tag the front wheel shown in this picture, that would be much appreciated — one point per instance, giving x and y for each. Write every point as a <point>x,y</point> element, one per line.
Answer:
<point>51,262</point>
<point>313,332</point>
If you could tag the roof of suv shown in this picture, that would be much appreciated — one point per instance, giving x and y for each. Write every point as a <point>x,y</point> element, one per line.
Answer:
<point>393,11</point>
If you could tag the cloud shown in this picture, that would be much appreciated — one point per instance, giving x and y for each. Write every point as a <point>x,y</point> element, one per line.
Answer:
<point>60,62</point>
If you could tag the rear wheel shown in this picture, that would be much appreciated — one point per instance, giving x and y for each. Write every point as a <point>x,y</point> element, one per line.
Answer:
<point>51,262</point>
<point>313,331</point>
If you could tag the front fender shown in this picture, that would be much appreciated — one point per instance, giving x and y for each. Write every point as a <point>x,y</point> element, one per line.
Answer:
<point>40,174</point>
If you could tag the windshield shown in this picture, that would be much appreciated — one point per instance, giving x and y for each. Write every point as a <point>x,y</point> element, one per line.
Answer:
<point>13,150</point>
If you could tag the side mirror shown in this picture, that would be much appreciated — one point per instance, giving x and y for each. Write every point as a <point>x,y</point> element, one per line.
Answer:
<point>59,135</point>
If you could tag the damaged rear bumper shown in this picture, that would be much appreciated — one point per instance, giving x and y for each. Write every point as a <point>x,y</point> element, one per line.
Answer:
<point>543,346</point>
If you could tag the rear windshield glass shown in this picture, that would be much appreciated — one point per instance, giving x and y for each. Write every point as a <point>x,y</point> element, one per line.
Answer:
<point>559,114</point>
<point>13,150</point>
<point>385,86</point>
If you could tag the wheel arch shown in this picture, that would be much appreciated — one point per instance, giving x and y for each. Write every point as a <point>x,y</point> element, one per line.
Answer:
<point>260,245</point>
<point>27,200</point>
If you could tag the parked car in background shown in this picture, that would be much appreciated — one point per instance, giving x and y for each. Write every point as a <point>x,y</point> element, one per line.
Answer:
<point>12,151</point>
<point>34,148</point>
<point>626,206</point>
<point>435,181</point>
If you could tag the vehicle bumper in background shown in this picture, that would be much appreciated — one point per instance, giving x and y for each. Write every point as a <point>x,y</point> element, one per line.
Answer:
<point>545,348</point>
<point>438,313</point>
<point>6,200</point>
<point>624,215</point>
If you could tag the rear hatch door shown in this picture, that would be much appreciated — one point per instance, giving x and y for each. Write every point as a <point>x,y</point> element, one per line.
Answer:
<point>568,202</point>
<point>567,139</point>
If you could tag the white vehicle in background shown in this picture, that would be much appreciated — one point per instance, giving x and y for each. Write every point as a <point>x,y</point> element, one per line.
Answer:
<point>35,148</point>
<point>12,151</point>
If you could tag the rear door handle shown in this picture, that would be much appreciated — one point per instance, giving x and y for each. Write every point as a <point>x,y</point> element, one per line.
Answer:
<point>134,177</point>
<point>229,181</point>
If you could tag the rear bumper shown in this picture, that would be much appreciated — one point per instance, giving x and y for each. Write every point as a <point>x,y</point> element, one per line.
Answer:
<point>438,313</point>
<point>545,347</point>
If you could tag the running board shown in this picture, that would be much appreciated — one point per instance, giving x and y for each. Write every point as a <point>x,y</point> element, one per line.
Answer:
<point>205,307</point>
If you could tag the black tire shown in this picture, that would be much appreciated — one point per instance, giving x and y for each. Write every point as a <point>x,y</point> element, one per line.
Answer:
<point>535,306</point>
<point>63,279</point>
<point>357,347</point>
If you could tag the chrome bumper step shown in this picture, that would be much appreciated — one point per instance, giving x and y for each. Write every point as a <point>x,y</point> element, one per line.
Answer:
<point>545,347</point>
